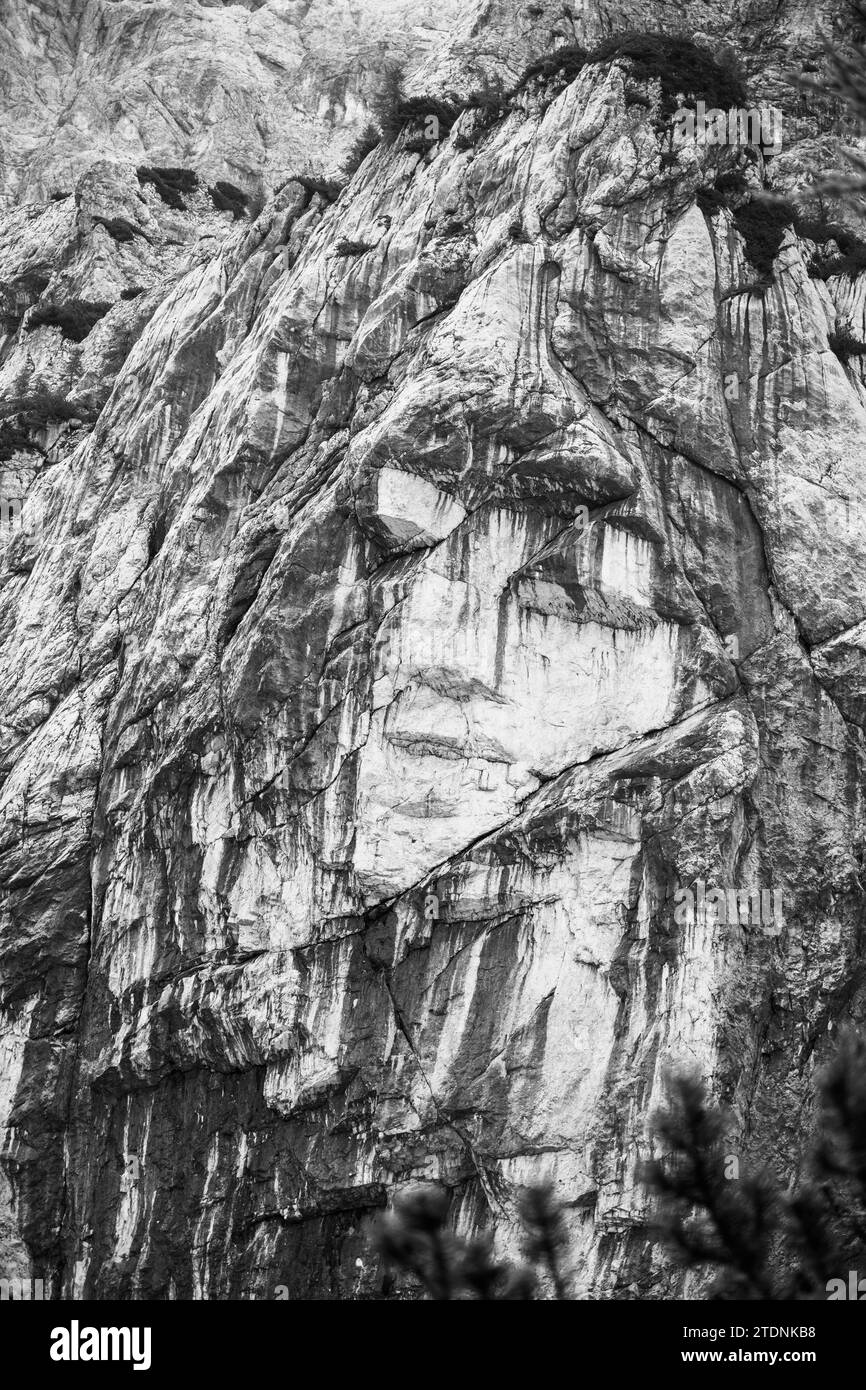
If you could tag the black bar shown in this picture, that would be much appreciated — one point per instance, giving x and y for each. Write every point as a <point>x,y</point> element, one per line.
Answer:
<point>597,1339</point>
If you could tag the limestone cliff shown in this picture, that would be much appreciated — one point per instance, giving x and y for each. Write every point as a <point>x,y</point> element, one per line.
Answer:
<point>489,529</point>
<point>247,92</point>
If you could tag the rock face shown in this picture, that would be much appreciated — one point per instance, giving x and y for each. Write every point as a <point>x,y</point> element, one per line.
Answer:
<point>420,589</point>
<point>248,92</point>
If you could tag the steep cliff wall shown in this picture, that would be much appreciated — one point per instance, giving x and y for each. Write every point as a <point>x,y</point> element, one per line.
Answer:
<point>496,532</point>
<point>248,92</point>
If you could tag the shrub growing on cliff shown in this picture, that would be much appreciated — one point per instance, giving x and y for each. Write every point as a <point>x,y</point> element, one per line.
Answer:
<point>443,110</point>
<point>845,344</point>
<point>490,101</point>
<point>30,404</point>
<point>682,67</point>
<point>74,320</point>
<point>364,144</point>
<point>728,188</point>
<point>851,260</point>
<point>346,247</point>
<point>386,104</point>
<point>757,226</point>
<point>14,439</point>
<point>762,223</point>
<point>170,183</point>
<point>329,189</point>
<point>227,198</point>
<point>560,67</point>
<point>760,1240</point>
<point>119,228</point>
<point>393,110</point>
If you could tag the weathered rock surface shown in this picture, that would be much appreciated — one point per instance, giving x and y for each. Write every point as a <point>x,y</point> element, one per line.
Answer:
<point>492,532</point>
<point>247,92</point>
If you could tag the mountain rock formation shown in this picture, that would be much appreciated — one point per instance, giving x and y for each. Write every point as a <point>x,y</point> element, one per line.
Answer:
<point>245,92</point>
<point>422,582</point>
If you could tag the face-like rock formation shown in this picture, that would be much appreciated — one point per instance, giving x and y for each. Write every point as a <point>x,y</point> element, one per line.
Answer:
<point>420,589</point>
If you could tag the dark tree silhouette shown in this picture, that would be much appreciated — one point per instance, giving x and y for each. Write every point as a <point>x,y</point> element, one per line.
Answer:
<point>367,141</point>
<point>846,80</point>
<point>415,1239</point>
<point>758,1239</point>
<point>749,1236</point>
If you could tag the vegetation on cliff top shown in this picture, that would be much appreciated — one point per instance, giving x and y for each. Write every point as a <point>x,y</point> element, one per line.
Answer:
<point>683,69</point>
